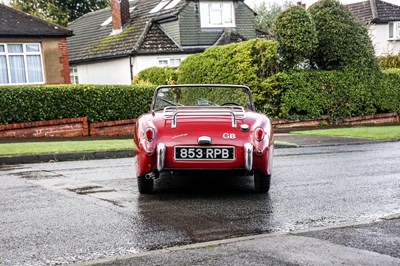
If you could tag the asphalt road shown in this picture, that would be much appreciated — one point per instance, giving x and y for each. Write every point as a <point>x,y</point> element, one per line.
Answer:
<point>65,212</point>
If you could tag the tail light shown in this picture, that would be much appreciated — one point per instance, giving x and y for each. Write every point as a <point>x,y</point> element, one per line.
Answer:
<point>150,133</point>
<point>259,134</point>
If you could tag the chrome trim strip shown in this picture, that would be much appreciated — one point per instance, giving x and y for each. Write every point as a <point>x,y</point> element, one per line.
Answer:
<point>270,159</point>
<point>204,140</point>
<point>248,156</point>
<point>160,156</point>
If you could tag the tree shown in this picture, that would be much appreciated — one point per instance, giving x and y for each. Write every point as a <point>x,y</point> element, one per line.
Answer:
<point>297,36</point>
<point>59,11</point>
<point>343,41</point>
<point>267,15</point>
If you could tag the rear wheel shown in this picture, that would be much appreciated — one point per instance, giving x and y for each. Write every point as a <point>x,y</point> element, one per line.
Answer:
<point>262,182</point>
<point>145,185</point>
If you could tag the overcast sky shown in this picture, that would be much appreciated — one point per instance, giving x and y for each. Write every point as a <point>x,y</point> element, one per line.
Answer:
<point>310,2</point>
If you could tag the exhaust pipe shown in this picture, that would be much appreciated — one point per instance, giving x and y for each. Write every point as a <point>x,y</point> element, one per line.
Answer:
<point>152,175</point>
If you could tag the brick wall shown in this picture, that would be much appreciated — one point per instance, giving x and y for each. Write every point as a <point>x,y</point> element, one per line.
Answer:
<point>76,127</point>
<point>358,120</point>
<point>64,72</point>
<point>113,128</point>
<point>68,127</point>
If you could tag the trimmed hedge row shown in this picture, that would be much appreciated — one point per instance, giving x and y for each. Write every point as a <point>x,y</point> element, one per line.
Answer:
<point>331,94</point>
<point>98,102</point>
<point>300,94</point>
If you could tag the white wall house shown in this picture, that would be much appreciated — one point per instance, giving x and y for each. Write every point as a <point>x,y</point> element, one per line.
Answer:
<point>112,45</point>
<point>121,70</point>
<point>383,22</point>
<point>385,39</point>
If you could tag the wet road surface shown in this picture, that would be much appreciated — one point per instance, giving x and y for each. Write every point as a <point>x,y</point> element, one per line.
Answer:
<point>74,211</point>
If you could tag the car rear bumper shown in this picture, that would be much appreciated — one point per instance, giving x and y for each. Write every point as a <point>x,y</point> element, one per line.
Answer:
<point>245,160</point>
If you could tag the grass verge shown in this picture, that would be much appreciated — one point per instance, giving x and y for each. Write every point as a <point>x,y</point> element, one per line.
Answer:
<point>64,146</point>
<point>369,132</point>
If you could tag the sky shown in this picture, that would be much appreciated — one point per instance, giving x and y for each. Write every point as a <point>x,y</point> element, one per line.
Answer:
<point>251,3</point>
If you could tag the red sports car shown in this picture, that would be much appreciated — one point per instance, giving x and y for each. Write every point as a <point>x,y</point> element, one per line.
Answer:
<point>202,129</point>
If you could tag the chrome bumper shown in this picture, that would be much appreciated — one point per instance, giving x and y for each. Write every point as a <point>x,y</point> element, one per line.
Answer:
<point>248,156</point>
<point>160,156</point>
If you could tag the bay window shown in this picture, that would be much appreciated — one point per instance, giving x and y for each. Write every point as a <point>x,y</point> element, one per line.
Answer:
<point>20,63</point>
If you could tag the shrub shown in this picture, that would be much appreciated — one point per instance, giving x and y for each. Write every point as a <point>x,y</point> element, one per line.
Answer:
<point>156,76</point>
<point>98,103</point>
<point>245,63</point>
<point>388,94</point>
<point>334,94</point>
<point>296,35</point>
<point>389,61</point>
<point>343,42</point>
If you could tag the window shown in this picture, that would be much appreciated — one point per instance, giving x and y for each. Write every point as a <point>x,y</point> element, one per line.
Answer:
<point>217,14</point>
<point>21,63</point>
<point>394,30</point>
<point>169,62</point>
<point>73,74</point>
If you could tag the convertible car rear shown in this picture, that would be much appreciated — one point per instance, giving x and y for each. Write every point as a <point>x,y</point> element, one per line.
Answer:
<point>203,128</point>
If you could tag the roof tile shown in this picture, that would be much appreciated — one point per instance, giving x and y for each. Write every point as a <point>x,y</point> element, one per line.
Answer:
<point>16,23</point>
<point>384,12</point>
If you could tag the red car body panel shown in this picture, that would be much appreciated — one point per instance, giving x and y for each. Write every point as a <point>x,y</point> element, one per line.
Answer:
<point>197,123</point>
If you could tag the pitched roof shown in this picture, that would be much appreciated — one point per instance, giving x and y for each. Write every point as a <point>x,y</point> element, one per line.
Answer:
<point>142,36</point>
<point>15,23</point>
<point>375,11</point>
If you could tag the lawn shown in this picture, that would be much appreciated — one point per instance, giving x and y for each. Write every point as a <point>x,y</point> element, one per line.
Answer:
<point>367,132</point>
<point>64,146</point>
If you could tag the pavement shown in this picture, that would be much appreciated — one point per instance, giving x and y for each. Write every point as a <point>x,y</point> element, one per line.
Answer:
<point>370,243</point>
<point>375,243</point>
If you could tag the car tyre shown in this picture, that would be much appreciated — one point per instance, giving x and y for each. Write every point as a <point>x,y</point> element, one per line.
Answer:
<point>145,185</point>
<point>262,182</point>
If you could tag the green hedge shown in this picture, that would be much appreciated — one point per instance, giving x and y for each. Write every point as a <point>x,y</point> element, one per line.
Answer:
<point>300,94</point>
<point>97,102</point>
<point>245,63</point>
<point>334,94</point>
<point>388,94</point>
<point>156,76</point>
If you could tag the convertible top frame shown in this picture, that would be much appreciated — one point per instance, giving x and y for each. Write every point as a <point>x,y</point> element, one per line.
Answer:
<point>236,112</point>
<point>194,86</point>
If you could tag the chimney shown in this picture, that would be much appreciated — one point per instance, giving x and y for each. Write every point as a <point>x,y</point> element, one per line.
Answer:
<point>299,3</point>
<point>120,14</point>
<point>125,16</point>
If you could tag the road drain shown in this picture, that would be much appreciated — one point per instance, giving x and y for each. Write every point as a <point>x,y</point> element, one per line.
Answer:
<point>90,190</point>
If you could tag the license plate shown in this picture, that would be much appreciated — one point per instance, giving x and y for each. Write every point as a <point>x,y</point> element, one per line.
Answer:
<point>204,153</point>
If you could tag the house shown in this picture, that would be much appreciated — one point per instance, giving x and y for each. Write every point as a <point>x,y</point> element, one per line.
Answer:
<point>112,45</point>
<point>32,51</point>
<point>383,21</point>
